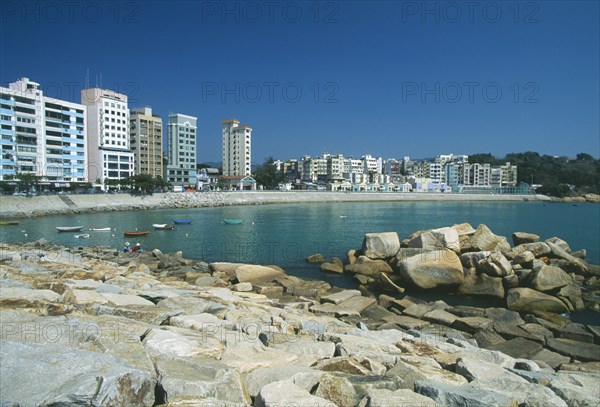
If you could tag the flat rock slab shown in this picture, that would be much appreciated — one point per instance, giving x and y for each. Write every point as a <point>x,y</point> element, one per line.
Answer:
<point>552,359</point>
<point>333,310</point>
<point>358,304</point>
<point>341,296</point>
<point>406,322</point>
<point>517,347</point>
<point>25,297</point>
<point>402,397</point>
<point>471,324</point>
<point>304,377</point>
<point>586,352</point>
<point>460,396</point>
<point>287,393</point>
<point>441,317</point>
<point>124,300</point>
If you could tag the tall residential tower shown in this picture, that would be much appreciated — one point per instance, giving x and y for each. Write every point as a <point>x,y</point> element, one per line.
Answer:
<point>181,130</point>
<point>108,135</point>
<point>146,141</point>
<point>237,149</point>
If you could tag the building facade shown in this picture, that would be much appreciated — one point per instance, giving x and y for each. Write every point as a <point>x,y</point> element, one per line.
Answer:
<point>110,158</point>
<point>146,141</point>
<point>181,147</point>
<point>236,149</point>
<point>40,135</point>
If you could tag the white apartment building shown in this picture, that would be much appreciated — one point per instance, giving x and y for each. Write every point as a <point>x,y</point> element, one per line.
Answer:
<point>181,147</point>
<point>335,168</point>
<point>479,174</point>
<point>108,135</point>
<point>145,135</point>
<point>372,165</point>
<point>41,135</point>
<point>236,149</point>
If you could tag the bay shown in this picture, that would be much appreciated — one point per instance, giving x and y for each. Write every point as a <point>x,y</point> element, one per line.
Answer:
<point>286,234</point>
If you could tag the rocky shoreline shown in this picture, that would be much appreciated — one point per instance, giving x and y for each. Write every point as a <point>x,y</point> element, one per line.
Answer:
<point>20,207</point>
<point>92,326</point>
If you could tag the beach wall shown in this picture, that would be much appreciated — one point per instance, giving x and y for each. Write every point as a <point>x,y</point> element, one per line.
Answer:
<point>21,206</point>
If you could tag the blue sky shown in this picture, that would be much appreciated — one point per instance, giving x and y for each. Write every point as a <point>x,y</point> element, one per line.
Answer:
<point>389,78</point>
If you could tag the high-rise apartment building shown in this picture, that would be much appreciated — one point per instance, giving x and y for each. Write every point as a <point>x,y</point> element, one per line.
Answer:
<point>108,135</point>
<point>146,141</point>
<point>40,135</point>
<point>181,149</point>
<point>237,149</point>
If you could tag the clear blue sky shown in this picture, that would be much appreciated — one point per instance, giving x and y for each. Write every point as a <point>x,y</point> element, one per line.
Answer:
<point>389,78</point>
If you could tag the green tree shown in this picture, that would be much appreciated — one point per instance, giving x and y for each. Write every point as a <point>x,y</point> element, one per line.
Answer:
<point>26,182</point>
<point>267,174</point>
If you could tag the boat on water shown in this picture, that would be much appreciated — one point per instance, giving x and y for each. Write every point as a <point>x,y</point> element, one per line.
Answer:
<point>182,221</point>
<point>162,226</point>
<point>100,229</point>
<point>232,221</point>
<point>69,228</point>
<point>9,222</point>
<point>135,233</point>
<point>82,236</point>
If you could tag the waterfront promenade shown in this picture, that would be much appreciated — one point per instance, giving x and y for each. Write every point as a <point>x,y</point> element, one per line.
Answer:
<point>20,206</point>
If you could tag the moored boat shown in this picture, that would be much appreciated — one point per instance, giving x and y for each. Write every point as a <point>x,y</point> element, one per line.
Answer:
<point>82,236</point>
<point>232,221</point>
<point>100,229</point>
<point>69,228</point>
<point>182,221</point>
<point>162,226</point>
<point>9,222</point>
<point>135,233</point>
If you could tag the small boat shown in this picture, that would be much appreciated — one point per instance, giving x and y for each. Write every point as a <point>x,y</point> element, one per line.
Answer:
<point>162,226</point>
<point>9,222</point>
<point>82,236</point>
<point>182,221</point>
<point>232,221</point>
<point>101,229</point>
<point>135,233</point>
<point>69,228</point>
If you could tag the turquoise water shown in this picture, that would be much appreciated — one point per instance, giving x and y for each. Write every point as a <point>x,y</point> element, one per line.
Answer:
<point>286,234</point>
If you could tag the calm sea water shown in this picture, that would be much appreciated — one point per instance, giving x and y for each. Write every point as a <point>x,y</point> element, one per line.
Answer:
<point>286,234</point>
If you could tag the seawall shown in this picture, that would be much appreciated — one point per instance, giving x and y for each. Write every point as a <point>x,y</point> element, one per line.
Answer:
<point>20,206</point>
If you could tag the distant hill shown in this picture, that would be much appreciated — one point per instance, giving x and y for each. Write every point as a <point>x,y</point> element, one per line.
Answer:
<point>559,176</point>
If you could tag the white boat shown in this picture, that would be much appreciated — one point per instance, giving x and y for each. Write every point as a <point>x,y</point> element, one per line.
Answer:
<point>82,236</point>
<point>69,228</point>
<point>101,229</point>
<point>162,226</point>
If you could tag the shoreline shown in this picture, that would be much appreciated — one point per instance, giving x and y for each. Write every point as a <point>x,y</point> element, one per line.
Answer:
<point>143,329</point>
<point>19,206</point>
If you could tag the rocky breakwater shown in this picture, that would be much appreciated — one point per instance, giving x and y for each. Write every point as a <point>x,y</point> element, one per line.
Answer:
<point>91,326</point>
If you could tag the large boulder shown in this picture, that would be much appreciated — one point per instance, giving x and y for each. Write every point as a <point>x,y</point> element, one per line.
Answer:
<point>438,268</point>
<point>495,265</point>
<point>481,284</point>
<point>285,392</point>
<point>526,300</point>
<point>470,259</point>
<point>484,239</point>
<point>381,245</point>
<point>574,263</point>
<point>199,378</point>
<point>523,237</point>
<point>437,239</point>
<point>549,278</point>
<point>538,249</point>
<point>253,273</point>
<point>34,374</point>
